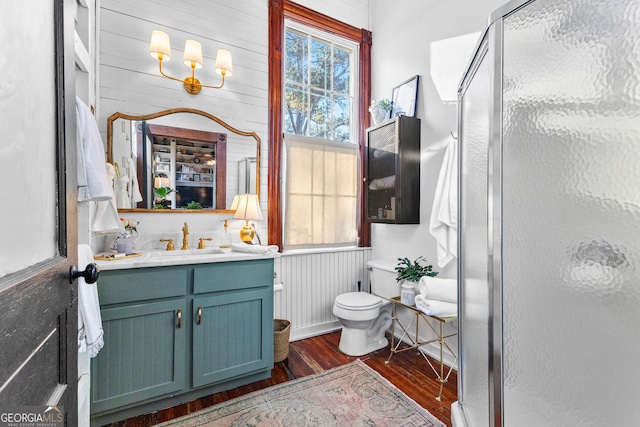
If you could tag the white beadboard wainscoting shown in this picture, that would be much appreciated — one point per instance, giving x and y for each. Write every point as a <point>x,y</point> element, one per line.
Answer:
<point>307,283</point>
<point>310,283</point>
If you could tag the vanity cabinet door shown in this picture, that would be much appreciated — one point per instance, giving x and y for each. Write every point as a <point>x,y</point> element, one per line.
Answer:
<point>232,334</point>
<point>143,355</point>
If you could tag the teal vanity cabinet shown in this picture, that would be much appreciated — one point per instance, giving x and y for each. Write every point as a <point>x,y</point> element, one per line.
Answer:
<point>173,334</point>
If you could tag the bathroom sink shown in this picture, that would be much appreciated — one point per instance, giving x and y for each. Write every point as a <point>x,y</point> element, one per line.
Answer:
<point>190,252</point>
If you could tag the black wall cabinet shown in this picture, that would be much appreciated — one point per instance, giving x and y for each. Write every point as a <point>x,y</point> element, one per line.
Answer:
<point>393,171</point>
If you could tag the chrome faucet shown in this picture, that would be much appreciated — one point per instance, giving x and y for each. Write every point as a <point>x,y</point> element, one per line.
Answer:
<point>185,237</point>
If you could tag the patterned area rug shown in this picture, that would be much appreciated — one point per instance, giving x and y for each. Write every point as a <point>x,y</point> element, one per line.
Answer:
<point>353,395</point>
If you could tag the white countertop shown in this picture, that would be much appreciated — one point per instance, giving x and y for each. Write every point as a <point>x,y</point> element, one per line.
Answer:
<point>158,259</point>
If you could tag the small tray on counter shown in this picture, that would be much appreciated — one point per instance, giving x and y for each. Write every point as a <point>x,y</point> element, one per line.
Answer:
<point>115,257</point>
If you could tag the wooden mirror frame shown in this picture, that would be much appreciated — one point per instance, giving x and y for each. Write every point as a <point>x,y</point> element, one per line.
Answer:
<point>112,118</point>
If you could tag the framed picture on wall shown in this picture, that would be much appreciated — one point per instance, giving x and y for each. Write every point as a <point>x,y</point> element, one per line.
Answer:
<point>405,98</point>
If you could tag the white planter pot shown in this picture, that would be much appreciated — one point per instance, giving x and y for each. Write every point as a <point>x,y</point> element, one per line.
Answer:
<point>378,114</point>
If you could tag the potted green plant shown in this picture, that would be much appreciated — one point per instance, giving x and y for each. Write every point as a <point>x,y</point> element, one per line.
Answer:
<point>412,271</point>
<point>380,109</point>
<point>161,201</point>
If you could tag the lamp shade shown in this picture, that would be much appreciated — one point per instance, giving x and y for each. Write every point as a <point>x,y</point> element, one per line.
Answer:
<point>159,182</point>
<point>248,207</point>
<point>223,62</point>
<point>160,45</point>
<point>236,201</point>
<point>192,53</point>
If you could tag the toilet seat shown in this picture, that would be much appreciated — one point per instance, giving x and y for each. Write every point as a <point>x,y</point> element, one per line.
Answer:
<point>357,301</point>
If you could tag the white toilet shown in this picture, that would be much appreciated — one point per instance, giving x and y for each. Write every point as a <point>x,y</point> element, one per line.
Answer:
<point>365,317</point>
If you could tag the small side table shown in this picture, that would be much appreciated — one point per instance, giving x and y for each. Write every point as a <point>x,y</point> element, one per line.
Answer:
<point>442,373</point>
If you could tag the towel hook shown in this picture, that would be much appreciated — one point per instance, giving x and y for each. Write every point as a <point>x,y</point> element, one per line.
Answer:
<point>453,136</point>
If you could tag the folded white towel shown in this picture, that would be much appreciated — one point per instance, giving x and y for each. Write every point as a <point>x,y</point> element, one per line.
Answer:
<point>254,249</point>
<point>387,182</point>
<point>439,289</point>
<point>90,335</point>
<point>92,176</point>
<point>436,308</point>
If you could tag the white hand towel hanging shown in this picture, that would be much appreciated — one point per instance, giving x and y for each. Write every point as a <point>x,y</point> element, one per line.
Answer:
<point>134,187</point>
<point>105,217</point>
<point>90,335</point>
<point>120,185</point>
<point>444,214</point>
<point>92,175</point>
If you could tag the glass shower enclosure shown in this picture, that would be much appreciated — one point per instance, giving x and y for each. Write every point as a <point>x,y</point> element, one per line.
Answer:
<point>549,238</point>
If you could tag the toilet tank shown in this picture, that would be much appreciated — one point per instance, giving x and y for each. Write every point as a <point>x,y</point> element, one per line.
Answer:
<point>382,276</point>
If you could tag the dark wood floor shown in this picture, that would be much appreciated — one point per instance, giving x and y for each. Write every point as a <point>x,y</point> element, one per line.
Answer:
<point>408,371</point>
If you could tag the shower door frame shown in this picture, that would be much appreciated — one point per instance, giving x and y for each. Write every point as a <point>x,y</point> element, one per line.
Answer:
<point>489,47</point>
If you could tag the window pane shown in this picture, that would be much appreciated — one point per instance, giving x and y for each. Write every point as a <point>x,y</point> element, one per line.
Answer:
<point>295,109</point>
<point>323,208</point>
<point>300,162</point>
<point>345,224</point>
<point>347,168</point>
<point>296,57</point>
<point>341,118</point>
<point>320,115</point>
<point>320,64</point>
<point>332,175</point>
<point>299,219</point>
<point>317,230</point>
<point>318,167</point>
<point>319,83</point>
<point>341,70</point>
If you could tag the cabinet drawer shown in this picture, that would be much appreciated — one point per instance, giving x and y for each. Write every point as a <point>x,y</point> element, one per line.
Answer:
<point>226,276</point>
<point>120,286</point>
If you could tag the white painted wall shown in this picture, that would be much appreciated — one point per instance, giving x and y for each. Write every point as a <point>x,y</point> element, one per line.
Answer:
<point>406,35</point>
<point>433,39</point>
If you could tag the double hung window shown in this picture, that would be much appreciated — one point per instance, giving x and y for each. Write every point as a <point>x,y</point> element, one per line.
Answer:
<point>321,149</point>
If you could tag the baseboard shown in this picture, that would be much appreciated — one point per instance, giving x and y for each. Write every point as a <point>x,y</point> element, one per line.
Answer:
<point>313,331</point>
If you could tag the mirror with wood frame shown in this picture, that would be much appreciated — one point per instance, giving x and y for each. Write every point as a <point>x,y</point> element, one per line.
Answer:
<point>180,160</point>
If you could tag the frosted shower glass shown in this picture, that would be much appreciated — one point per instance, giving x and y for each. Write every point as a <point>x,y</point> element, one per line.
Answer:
<point>571,202</point>
<point>474,142</point>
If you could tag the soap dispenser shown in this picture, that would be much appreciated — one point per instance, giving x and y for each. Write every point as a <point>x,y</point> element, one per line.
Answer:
<point>225,237</point>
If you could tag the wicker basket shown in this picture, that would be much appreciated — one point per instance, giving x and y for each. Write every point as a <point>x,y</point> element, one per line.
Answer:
<point>281,330</point>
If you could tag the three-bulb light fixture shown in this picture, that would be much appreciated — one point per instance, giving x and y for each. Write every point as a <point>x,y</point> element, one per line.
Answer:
<point>160,49</point>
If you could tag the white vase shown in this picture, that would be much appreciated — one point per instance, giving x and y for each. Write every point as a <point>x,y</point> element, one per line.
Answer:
<point>378,114</point>
<point>408,292</point>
